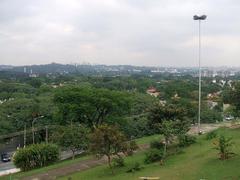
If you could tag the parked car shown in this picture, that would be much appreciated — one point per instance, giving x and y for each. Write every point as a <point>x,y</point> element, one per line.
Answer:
<point>228,118</point>
<point>5,157</point>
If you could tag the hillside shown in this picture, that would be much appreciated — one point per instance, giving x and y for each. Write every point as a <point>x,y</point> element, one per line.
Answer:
<point>199,161</point>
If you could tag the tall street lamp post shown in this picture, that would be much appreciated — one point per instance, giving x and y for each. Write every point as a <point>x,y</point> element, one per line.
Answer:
<point>33,130</point>
<point>199,19</point>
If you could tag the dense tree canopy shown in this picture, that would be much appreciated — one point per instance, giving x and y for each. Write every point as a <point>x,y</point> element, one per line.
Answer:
<point>90,105</point>
<point>72,137</point>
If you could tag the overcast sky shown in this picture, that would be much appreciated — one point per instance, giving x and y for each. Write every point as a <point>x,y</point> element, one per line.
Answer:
<point>136,32</point>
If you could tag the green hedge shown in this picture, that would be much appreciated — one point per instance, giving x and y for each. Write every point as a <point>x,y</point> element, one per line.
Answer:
<point>156,144</point>
<point>186,140</point>
<point>36,155</point>
<point>153,155</point>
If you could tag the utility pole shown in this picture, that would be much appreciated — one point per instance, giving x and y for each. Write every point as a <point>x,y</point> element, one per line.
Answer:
<point>33,137</point>
<point>33,129</point>
<point>46,127</point>
<point>25,135</point>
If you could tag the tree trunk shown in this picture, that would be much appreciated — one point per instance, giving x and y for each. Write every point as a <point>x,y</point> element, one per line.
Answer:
<point>109,163</point>
<point>165,147</point>
<point>73,154</point>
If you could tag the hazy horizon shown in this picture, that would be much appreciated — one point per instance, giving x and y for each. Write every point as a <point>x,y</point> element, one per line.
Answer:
<point>91,64</point>
<point>112,32</point>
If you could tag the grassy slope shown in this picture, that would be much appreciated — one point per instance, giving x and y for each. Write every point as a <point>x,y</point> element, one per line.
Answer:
<point>198,161</point>
<point>41,170</point>
<point>144,140</point>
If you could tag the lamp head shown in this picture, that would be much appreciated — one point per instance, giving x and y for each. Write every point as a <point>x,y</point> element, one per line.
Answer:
<point>202,17</point>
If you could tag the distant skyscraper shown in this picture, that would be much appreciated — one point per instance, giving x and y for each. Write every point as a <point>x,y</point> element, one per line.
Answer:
<point>24,69</point>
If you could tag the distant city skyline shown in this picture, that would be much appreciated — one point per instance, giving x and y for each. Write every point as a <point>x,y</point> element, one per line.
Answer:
<point>119,32</point>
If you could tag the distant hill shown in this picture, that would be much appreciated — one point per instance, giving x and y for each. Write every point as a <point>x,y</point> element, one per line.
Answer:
<point>119,70</point>
<point>82,69</point>
<point>5,67</point>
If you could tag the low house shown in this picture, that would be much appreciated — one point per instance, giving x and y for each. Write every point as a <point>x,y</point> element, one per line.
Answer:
<point>153,91</point>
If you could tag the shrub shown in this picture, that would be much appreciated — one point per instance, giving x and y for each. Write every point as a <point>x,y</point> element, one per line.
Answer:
<point>211,135</point>
<point>156,145</point>
<point>154,155</point>
<point>130,148</point>
<point>223,145</point>
<point>36,155</point>
<point>210,116</point>
<point>186,140</point>
<point>135,167</point>
<point>133,145</point>
<point>118,162</point>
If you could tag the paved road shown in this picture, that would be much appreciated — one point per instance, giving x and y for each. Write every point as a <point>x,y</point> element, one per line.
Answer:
<point>6,166</point>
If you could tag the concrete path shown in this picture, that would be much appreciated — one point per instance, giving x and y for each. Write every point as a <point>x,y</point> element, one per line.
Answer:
<point>9,171</point>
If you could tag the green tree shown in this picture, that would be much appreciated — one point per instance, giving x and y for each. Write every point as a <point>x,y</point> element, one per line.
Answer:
<point>168,120</point>
<point>234,97</point>
<point>36,83</point>
<point>20,111</point>
<point>167,130</point>
<point>36,156</point>
<point>90,105</point>
<point>223,145</point>
<point>72,137</point>
<point>107,141</point>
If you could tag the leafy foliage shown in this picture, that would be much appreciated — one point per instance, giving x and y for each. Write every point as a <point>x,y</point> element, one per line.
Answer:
<point>156,145</point>
<point>153,155</point>
<point>233,97</point>
<point>168,120</point>
<point>107,141</point>
<point>136,167</point>
<point>130,147</point>
<point>35,156</point>
<point>73,138</point>
<point>118,161</point>
<point>223,145</point>
<point>210,116</point>
<point>159,112</point>
<point>211,135</point>
<point>90,105</point>
<point>186,140</point>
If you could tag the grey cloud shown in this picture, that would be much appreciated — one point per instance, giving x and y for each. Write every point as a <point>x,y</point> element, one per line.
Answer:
<point>139,32</point>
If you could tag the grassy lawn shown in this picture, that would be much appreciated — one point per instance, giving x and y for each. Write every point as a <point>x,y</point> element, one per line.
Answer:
<point>199,161</point>
<point>147,139</point>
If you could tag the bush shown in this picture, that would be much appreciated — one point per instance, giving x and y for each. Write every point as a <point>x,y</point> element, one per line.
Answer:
<point>135,167</point>
<point>211,135</point>
<point>130,147</point>
<point>118,162</point>
<point>156,145</point>
<point>36,155</point>
<point>154,155</point>
<point>133,145</point>
<point>186,140</point>
<point>223,145</point>
<point>210,116</point>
